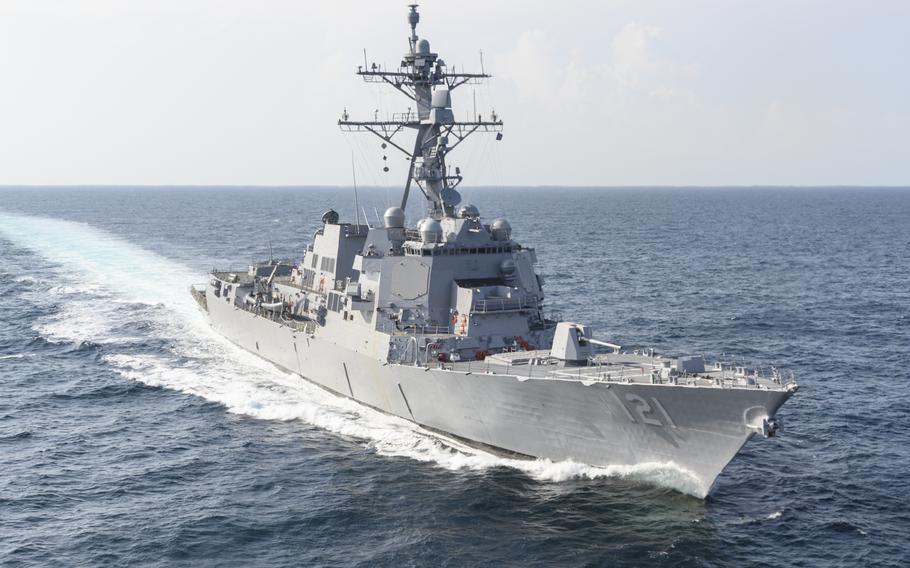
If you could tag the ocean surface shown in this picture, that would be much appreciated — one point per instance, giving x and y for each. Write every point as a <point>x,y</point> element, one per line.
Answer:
<point>130,434</point>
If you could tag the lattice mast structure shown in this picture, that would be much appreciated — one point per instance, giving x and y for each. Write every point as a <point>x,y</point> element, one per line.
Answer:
<point>424,78</point>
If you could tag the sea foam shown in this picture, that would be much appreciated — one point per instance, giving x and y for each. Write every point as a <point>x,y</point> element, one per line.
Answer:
<point>112,290</point>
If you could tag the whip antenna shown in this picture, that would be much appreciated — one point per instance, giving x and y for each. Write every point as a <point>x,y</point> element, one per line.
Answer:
<point>356,203</point>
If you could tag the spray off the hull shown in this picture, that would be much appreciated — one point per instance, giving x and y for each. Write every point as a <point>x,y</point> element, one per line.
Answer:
<point>443,323</point>
<point>123,297</point>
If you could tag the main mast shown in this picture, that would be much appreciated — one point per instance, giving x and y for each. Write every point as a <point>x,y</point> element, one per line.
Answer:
<point>424,78</point>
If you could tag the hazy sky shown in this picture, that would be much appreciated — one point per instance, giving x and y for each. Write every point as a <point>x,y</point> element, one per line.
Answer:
<point>592,93</point>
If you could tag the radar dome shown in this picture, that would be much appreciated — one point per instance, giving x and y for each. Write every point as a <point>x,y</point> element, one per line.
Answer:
<point>501,229</point>
<point>423,47</point>
<point>468,212</point>
<point>507,267</point>
<point>430,231</point>
<point>394,218</point>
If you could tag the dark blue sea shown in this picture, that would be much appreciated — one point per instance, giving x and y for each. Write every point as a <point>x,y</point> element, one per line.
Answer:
<point>131,435</point>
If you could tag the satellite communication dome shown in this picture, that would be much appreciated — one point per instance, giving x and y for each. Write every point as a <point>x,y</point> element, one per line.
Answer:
<point>430,231</point>
<point>423,47</point>
<point>394,218</point>
<point>507,267</point>
<point>502,230</point>
<point>468,212</point>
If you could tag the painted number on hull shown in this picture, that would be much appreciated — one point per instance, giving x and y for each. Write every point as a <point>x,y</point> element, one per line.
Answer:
<point>639,410</point>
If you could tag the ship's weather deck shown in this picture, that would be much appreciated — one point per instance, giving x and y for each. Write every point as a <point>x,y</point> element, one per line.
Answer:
<point>622,367</point>
<point>445,322</point>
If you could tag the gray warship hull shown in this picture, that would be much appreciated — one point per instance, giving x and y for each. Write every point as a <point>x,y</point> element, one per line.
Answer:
<point>695,429</point>
<point>444,323</point>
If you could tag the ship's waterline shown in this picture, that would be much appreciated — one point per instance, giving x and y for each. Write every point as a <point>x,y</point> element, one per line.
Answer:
<point>696,431</point>
<point>225,457</point>
<point>108,285</point>
<point>444,322</point>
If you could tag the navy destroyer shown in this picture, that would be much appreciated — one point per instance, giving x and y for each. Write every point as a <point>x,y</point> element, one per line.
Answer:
<point>442,322</point>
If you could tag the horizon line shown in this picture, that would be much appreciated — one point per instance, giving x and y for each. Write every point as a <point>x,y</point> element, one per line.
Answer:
<point>480,186</point>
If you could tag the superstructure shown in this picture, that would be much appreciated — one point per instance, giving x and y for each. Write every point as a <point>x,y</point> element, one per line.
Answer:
<point>443,322</point>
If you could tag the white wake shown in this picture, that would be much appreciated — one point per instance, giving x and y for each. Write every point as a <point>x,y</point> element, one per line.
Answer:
<point>115,294</point>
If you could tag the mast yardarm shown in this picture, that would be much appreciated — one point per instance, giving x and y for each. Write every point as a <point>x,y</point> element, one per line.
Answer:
<point>424,77</point>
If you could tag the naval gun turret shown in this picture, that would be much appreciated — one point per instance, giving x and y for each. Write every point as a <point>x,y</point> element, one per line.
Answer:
<point>442,322</point>
<point>573,344</point>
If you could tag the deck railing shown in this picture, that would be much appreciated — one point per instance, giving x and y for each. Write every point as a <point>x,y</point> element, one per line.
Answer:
<point>488,305</point>
<point>307,326</point>
<point>397,328</point>
<point>629,374</point>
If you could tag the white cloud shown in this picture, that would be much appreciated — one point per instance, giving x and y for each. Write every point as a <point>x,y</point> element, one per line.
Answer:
<point>631,57</point>
<point>618,92</point>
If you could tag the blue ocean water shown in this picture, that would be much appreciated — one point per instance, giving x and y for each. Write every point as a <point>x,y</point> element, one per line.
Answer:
<point>132,435</point>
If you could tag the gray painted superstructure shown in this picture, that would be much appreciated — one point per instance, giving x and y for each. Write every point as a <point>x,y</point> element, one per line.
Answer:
<point>444,324</point>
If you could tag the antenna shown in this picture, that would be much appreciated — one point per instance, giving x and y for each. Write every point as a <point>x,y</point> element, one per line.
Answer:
<point>270,249</point>
<point>482,72</point>
<point>356,204</point>
<point>413,18</point>
<point>420,76</point>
